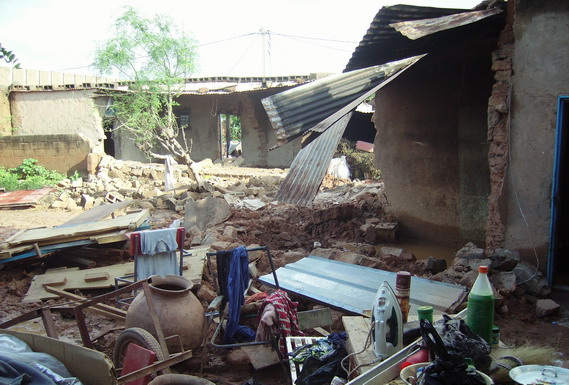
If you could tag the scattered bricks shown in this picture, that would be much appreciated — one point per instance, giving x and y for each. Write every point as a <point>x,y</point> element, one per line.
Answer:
<point>87,201</point>
<point>504,282</point>
<point>473,264</point>
<point>136,172</point>
<point>99,201</point>
<point>504,260</point>
<point>114,197</point>
<point>470,251</point>
<point>546,307</point>
<point>171,203</point>
<point>116,174</point>
<point>396,252</point>
<point>230,232</point>
<point>531,280</point>
<point>58,204</point>
<point>469,278</point>
<point>77,183</point>
<point>386,232</point>
<point>145,205</point>
<point>436,265</point>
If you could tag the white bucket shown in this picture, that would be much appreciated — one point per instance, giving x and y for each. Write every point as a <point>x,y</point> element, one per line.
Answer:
<point>411,371</point>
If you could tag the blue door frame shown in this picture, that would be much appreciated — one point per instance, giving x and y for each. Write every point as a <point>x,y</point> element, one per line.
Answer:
<point>562,116</point>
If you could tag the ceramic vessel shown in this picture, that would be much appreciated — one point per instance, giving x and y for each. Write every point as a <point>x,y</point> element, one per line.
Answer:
<point>179,311</point>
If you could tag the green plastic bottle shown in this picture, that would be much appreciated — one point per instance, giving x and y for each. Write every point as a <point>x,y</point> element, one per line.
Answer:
<point>480,313</point>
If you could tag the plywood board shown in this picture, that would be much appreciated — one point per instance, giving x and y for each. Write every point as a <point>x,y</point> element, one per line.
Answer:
<point>80,279</point>
<point>60,234</point>
<point>97,213</point>
<point>357,329</point>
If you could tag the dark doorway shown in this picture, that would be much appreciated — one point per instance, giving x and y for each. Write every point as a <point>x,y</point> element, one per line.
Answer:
<point>109,143</point>
<point>558,260</point>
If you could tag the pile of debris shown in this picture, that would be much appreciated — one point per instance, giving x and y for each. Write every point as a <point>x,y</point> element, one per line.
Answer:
<point>112,180</point>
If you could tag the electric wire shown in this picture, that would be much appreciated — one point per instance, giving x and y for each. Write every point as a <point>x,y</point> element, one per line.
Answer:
<point>515,190</point>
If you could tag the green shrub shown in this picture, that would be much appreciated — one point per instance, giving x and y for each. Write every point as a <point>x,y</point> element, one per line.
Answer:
<point>28,176</point>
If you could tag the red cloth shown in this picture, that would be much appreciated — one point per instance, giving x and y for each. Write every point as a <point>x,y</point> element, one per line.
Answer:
<point>287,324</point>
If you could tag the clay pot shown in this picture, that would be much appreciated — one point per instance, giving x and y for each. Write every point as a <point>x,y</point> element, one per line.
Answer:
<point>178,309</point>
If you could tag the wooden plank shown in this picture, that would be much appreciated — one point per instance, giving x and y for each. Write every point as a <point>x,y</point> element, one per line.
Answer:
<point>92,277</point>
<point>357,329</point>
<point>312,318</point>
<point>261,356</point>
<point>97,213</point>
<point>129,221</point>
<point>76,279</point>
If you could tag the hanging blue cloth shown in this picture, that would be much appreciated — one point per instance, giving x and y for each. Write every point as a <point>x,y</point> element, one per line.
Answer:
<point>237,283</point>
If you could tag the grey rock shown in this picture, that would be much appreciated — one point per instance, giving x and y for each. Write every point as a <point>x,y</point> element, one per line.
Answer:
<point>546,307</point>
<point>530,280</point>
<point>206,213</point>
<point>504,260</point>
<point>470,251</point>
<point>436,265</point>
<point>504,282</point>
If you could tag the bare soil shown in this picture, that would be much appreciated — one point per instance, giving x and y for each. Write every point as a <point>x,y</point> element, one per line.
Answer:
<point>282,228</point>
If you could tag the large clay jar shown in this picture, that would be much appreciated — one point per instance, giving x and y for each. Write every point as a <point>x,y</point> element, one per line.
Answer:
<point>178,309</point>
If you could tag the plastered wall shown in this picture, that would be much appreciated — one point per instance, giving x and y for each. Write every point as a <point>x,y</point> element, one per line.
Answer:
<point>64,153</point>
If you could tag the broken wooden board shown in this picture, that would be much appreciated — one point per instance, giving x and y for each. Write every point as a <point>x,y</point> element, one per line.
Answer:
<point>53,235</point>
<point>97,213</point>
<point>357,329</point>
<point>104,277</point>
<point>261,356</point>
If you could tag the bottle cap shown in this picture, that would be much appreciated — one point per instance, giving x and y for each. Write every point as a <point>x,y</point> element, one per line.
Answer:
<point>483,269</point>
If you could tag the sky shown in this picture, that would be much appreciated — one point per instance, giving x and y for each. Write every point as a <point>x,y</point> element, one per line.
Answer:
<point>304,36</point>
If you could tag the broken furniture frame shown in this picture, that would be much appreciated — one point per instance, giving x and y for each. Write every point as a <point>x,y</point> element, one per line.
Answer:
<point>95,304</point>
<point>135,248</point>
<point>219,301</point>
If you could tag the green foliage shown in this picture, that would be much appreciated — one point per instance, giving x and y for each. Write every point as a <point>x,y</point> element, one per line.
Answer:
<point>8,56</point>
<point>157,58</point>
<point>28,176</point>
<point>235,127</point>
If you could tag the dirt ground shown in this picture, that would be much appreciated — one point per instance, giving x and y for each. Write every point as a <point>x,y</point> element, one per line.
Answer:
<point>287,228</point>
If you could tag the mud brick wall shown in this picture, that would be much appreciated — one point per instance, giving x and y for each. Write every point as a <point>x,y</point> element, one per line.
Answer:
<point>64,153</point>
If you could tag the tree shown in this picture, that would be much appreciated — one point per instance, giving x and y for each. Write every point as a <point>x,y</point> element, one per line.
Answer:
<point>156,57</point>
<point>8,56</point>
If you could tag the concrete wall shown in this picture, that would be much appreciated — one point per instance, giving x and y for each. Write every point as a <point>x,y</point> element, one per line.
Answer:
<point>540,76</point>
<point>56,113</point>
<point>64,153</point>
<point>431,145</point>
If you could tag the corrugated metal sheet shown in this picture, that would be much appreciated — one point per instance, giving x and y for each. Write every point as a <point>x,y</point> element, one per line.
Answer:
<point>315,106</point>
<point>352,287</point>
<point>310,164</point>
<point>308,169</point>
<point>420,28</point>
<point>382,43</point>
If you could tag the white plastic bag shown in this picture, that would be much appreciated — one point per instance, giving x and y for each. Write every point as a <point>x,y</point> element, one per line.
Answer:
<point>339,168</point>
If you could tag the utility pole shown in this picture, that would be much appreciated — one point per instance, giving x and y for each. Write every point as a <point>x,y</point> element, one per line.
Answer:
<point>266,49</point>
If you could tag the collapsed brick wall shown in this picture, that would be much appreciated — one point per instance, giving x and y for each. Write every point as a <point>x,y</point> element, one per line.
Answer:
<point>64,153</point>
<point>498,131</point>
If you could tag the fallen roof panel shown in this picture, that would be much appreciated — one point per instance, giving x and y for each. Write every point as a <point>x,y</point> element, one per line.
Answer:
<point>353,288</point>
<point>317,105</point>
<point>309,166</point>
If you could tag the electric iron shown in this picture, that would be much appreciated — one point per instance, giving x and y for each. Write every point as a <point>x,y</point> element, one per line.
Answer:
<point>387,323</point>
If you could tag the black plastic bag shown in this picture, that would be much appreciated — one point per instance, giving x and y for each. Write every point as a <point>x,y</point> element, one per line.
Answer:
<point>449,366</point>
<point>321,370</point>
<point>459,339</point>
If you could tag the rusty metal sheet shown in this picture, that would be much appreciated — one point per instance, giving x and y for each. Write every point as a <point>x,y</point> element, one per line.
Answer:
<point>416,29</point>
<point>308,168</point>
<point>315,106</point>
<point>23,198</point>
<point>310,164</point>
<point>352,287</point>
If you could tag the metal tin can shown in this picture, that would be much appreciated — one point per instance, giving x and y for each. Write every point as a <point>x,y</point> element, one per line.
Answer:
<point>495,335</point>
